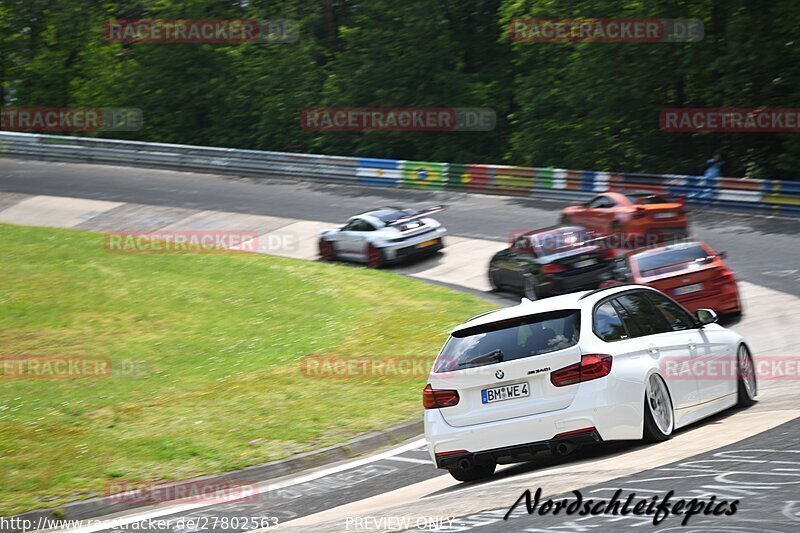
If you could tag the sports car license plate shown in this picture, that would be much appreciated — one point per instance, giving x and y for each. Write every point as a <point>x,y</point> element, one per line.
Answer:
<point>426,244</point>
<point>664,215</point>
<point>506,392</point>
<point>584,264</point>
<point>688,289</point>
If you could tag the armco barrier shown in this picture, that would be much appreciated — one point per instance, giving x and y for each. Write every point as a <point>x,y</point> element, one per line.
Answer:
<point>743,195</point>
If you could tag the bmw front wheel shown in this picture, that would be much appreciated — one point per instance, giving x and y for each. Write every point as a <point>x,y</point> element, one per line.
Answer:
<point>747,387</point>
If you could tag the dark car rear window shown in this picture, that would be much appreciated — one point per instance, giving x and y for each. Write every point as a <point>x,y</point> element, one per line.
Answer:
<point>671,260</point>
<point>647,198</point>
<point>511,339</point>
<point>558,241</point>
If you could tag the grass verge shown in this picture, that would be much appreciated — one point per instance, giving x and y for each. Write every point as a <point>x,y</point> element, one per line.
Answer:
<point>205,355</point>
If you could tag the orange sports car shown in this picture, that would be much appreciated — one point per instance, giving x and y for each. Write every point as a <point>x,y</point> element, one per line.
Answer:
<point>691,273</point>
<point>647,217</point>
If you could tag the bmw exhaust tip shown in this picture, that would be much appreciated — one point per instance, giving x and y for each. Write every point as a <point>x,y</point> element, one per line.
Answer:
<point>465,463</point>
<point>565,448</point>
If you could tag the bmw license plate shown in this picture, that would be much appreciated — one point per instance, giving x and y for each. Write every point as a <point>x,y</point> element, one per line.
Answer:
<point>688,289</point>
<point>426,244</point>
<point>664,215</point>
<point>506,392</point>
<point>584,264</point>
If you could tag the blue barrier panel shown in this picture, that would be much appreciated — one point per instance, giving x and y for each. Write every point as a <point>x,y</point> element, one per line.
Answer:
<point>379,172</point>
<point>587,180</point>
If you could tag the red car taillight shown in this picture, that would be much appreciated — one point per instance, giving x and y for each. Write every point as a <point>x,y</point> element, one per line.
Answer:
<point>553,269</point>
<point>592,366</point>
<point>434,399</point>
<point>725,277</point>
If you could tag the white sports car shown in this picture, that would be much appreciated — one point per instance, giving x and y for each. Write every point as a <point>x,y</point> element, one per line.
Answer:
<point>619,363</point>
<point>383,236</point>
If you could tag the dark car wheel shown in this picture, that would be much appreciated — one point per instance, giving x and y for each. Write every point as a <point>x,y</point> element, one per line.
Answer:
<point>493,277</point>
<point>326,251</point>
<point>473,473</point>
<point>746,378</point>
<point>374,257</point>
<point>529,288</point>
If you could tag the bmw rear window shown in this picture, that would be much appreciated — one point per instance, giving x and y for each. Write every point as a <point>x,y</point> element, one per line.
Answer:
<point>672,260</point>
<point>510,339</point>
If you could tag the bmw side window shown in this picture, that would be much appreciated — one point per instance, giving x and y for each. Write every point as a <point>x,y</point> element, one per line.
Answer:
<point>607,324</point>
<point>597,202</point>
<point>679,319</point>
<point>633,328</point>
<point>644,313</point>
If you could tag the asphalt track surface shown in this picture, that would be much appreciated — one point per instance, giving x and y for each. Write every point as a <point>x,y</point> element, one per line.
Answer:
<point>761,250</point>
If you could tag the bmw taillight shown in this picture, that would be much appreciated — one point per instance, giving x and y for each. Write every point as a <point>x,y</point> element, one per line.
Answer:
<point>553,269</point>
<point>434,399</point>
<point>592,366</point>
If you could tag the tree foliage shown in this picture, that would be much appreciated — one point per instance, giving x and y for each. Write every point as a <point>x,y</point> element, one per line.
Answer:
<point>573,105</point>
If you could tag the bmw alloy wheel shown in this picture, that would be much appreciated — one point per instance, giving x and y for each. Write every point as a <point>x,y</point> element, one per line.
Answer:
<point>659,403</point>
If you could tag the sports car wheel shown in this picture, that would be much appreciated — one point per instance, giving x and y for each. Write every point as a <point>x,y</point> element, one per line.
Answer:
<point>326,251</point>
<point>658,414</point>
<point>747,386</point>
<point>374,257</point>
<point>529,288</point>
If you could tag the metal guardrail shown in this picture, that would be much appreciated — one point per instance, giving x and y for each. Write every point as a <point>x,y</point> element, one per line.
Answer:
<point>738,194</point>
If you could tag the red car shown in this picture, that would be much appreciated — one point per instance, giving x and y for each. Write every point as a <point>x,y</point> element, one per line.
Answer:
<point>691,273</point>
<point>648,217</point>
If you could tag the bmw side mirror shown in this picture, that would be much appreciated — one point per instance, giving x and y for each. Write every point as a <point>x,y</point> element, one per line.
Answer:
<point>722,255</point>
<point>706,316</point>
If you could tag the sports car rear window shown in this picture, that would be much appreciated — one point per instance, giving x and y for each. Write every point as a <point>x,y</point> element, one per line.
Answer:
<point>511,339</point>
<point>671,260</point>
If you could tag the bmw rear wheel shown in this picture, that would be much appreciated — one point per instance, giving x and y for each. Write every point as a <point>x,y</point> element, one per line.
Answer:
<point>374,257</point>
<point>659,421</point>
<point>746,378</point>
<point>474,473</point>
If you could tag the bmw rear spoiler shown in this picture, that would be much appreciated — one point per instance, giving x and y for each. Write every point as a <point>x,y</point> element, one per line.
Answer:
<point>421,214</point>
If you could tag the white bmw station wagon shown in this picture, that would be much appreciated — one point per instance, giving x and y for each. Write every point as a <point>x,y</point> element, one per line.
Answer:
<point>619,363</point>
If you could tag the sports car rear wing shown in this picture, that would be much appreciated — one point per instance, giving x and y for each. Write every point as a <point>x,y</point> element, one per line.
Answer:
<point>421,214</point>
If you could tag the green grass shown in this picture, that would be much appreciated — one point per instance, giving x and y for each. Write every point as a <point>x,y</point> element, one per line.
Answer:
<point>205,353</point>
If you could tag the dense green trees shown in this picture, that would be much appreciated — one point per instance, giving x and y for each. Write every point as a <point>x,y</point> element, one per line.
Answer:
<point>575,105</point>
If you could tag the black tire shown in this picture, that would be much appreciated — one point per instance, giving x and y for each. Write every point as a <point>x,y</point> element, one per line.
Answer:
<point>492,282</point>
<point>475,473</point>
<point>529,288</point>
<point>652,433</point>
<point>745,398</point>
